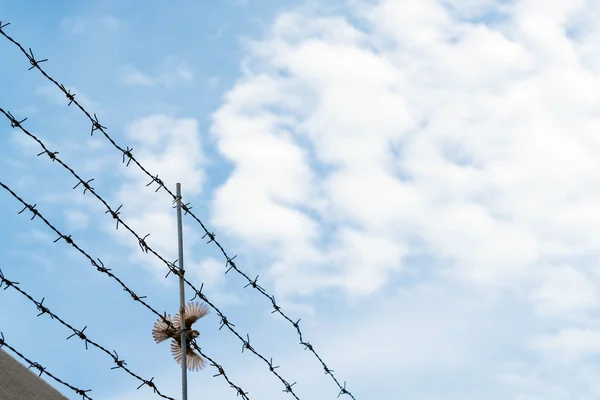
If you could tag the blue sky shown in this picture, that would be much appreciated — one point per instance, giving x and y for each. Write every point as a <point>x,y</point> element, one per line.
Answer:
<point>413,179</point>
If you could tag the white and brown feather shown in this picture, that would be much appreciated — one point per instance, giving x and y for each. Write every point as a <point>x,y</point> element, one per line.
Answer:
<point>193,360</point>
<point>162,331</point>
<point>193,312</point>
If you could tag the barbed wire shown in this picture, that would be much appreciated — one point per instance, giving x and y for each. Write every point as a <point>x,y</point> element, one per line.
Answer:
<point>43,370</point>
<point>99,265</point>
<point>129,158</point>
<point>145,246</point>
<point>79,333</point>
<point>230,264</point>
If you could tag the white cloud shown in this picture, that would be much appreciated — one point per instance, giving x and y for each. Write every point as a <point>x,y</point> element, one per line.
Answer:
<point>76,219</point>
<point>564,289</point>
<point>83,25</point>
<point>182,70</point>
<point>425,142</point>
<point>570,345</point>
<point>420,146</point>
<point>26,144</point>
<point>174,73</point>
<point>208,271</point>
<point>425,126</point>
<point>134,77</point>
<point>173,147</point>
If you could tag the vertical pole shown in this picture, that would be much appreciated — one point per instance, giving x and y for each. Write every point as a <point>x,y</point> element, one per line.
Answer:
<point>181,298</point>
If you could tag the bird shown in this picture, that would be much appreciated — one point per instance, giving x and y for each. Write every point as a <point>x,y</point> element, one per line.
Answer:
<point>163,331</point>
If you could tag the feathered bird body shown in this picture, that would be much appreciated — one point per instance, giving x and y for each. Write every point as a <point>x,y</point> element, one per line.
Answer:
<point>163,331</point>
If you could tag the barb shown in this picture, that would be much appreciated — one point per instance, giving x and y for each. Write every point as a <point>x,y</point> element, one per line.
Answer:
<point>79,333</point>
<point>240,392</point>
<point>101,268</point>
<point>245,342</point>
<point>115,214</point>
<point>43,370</point>
<point>127,155</point>
<point>230,264</point>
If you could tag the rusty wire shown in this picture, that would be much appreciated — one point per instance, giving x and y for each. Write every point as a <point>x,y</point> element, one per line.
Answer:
<point>128,157</point>
<point>99,265</point>
<point>115,213</point>
<point>43,370</point>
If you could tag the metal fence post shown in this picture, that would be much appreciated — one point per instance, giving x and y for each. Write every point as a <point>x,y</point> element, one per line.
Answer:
<point>181,298</point>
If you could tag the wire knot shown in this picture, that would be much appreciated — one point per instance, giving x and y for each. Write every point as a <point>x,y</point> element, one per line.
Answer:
<point>81,336</point>
<point>67,92</point>
<point>148,383</point>
<point>225,322</point>
<point>120,363</point>
<point>66,239</point>
<point>211,236</point>
<point>143,244</point>
<point>34,63</point>
<point>307,346</point>
<point>51,154</point>
<point>96,126</point>
<point>127,153</point>
<point>288,387</point>
<point>172,268</point>
<point>246,344</point>
<point>271,367</point>
<point>86,185</point>
<point>14,123</point>
<point>38,367</point>
<point>30,208</point>
<point>115,214</point>
<point>40,306</point>
<point>157,180</point>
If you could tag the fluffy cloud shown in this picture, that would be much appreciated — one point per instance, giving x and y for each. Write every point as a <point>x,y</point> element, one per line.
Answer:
<point>171,146</point>
<point>436,161</point>
<point>454,140</point>
<point>463,130</point>
<point>571,345</point>
<point>564,289</point>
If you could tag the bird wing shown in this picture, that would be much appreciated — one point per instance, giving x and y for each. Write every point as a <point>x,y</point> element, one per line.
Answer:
<point>162,331</point>
<point>193,312</point>
<point>193,360</point>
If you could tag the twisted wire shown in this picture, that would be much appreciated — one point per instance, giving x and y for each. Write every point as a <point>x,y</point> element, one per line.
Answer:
<point>115,213</point>
<point>79,333</point>
<point>99,265</point>
<point>129,158</point>
<point>43,370</point>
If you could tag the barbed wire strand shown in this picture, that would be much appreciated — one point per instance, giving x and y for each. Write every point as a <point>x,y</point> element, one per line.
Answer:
<point>145,246</point>
<point>99,265</point>
<point>43,370</point>
<point>128,156</point>
<point>79,333</point>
